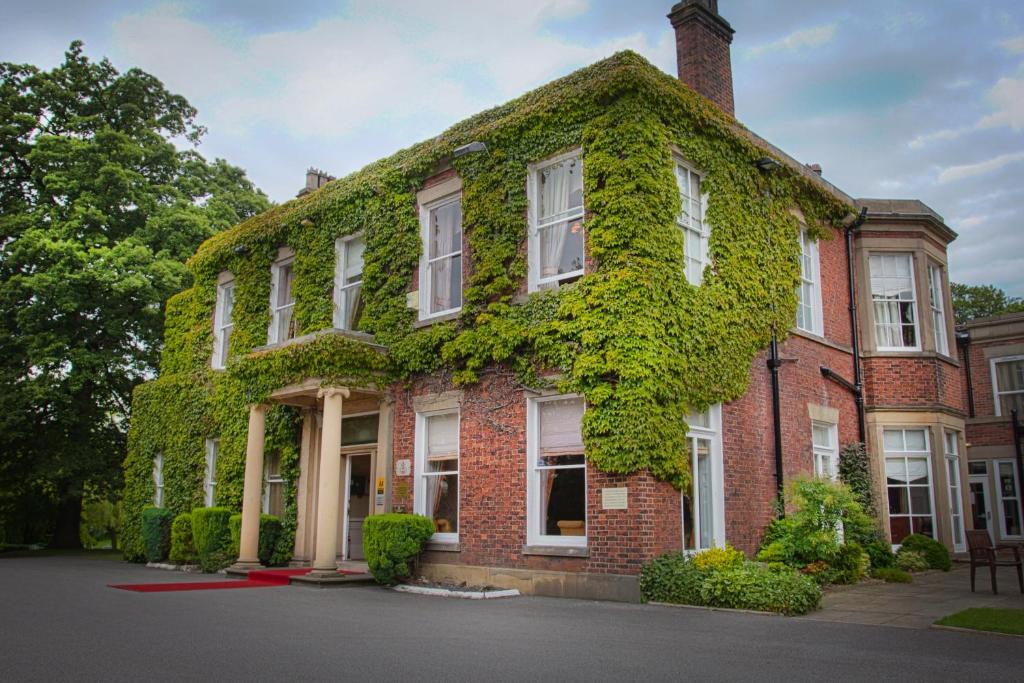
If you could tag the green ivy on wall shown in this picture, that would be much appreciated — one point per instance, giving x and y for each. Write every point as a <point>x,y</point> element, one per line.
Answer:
<point>642,345</point>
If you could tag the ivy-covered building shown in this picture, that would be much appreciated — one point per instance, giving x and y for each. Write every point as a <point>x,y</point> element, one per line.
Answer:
<point>601,322</point>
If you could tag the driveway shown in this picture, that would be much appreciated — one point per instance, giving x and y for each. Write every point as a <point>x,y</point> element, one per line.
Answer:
<point>59,621</point>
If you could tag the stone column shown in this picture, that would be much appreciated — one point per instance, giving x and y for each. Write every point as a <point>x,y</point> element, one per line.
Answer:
<point>325,563</point>
<point>248,548</point>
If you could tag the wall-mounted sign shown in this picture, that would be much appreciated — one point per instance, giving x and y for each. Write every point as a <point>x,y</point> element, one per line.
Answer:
<point>614,499</point>
<point>401,489</point>
<point>380,486</point>
<point>403,468</point>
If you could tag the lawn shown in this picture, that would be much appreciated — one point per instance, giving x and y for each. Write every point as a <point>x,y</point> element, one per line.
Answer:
<point>987,619</point>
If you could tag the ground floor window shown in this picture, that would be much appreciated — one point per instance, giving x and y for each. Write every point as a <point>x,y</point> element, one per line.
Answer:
<point>908,483</point>
<point>1009,498</point>
<point>557,486</point>
<point>703,500</point>
<point>825,442</point>
<point>956,514</point>
<point>273,486</point>
<point>437,465</point>
<point>210,478</point>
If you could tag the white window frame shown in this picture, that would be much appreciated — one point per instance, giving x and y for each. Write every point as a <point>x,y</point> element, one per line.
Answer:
<point>158,479</point>
<point>268,479</point>
<point>426,261</point>
<point>905,455</point>
<point>996,393</point>
<point>999,496</point>
<point>210,474</point>
<point>420,482</point>
<point>702,231</point>
<point>277,311</point>
<point>223,322</point>
<point>810,257</point>
<point>534,533</point>
<point>534,280</point>
<point>914,301</point>
<point>951,444</point>
<point>342,290</point>
<point>936,289</point>
<point>714,435</point>
<point>829,451</point>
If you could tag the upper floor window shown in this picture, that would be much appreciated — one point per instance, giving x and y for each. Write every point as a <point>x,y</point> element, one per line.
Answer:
<point>556,472</point>
<point>1008,384</point>
<point>936,299</point>
<point>348,281</point>
<point>282,300</point>
<point>436,493</point>
<point>223,322</point>
<point>825,442</point>
<point>808,311</point>
<point>441,266</point>
<point>210,480</point>
<point>894,296</point>
<point>555,190</point>
<point>691,221</point>
<point>703,500</point>
<point>273,486</point>
<point>158,479</point>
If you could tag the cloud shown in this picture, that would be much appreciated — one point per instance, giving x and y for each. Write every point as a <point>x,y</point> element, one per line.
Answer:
<point>981,168</point>
<point>797,40</point>
<point>1007,98</point>
<point>1014,46</point>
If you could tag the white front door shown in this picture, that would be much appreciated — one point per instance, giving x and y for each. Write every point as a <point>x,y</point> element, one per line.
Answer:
<point>355,506</point>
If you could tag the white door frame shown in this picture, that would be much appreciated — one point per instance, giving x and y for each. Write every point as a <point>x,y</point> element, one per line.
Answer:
<point>986,491</point>
<point>359,451</point>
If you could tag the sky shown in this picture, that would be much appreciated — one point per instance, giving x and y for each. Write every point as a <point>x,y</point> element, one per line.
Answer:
<point>915,99</point>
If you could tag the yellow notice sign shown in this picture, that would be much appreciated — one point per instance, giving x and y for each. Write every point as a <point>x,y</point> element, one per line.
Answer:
<point>380,486</point>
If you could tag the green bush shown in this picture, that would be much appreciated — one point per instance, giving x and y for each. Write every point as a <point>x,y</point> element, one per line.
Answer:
<point>156,533</point>
<point>850,564</point>
<point>671,578</point>
<point>391,541</point>
<point>718,558</point>
<point>880,553</point>
<point>754,586</point>
<point>183,550</point>
<point>912,560</point>
<point>270,533</point>
<point>235,525</point>
<point>891,575</point>
<point>936,553</point>
<point>855,472</point>
<point>212,537</point>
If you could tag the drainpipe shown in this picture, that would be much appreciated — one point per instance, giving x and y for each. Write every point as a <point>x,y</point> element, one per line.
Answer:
<point>963,339</point>
<point>858,381</point>
<point>1016,448</point>
<point>773,366</point>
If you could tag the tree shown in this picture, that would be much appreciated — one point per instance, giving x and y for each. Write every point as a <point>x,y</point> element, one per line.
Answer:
<point>98,212</point>
<point>979,301</point>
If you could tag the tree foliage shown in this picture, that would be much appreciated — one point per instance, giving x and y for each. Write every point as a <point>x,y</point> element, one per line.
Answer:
<point>980,301</point>
<point>98,211</point>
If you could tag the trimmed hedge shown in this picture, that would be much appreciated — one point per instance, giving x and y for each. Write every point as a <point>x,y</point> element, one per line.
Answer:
<point>156,533</point>
<point>183,549</point>
<point>936,553</point>
<point>270,536</point>
<point>212,538</point>
<point>391,541</point>
<point>891,575</point>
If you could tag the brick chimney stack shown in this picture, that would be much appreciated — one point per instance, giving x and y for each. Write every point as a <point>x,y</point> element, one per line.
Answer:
<point>703,38</point>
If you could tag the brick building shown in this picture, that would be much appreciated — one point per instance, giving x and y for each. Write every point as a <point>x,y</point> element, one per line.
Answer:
<point>502,468</point>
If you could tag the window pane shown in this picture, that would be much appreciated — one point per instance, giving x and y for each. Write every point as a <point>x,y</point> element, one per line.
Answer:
<point>285,280</point>
<point>916,440</point>
<point>899,528</point>
<point>699,420</point>
<point>446,284</point>
<point>977,467</point>
<point>273,464</point>
<point>561,426</point>
<point>446,229</point>
<point>1010,402</point>
<point>560,460</point>
<point>1010,375</point>
<point>443,465</point>
<point>563,502</point>
<point>822,436</point>
<point>354,260</point>
<point>352,306</point>
<point>704,492</point>
<point>893,439</point>
<point>359,429</point>
<point>561,248</point>
<point>920,503</point>
<point>561,190</point>
<point>1007,482</point>
<point>442,502</point>
<point>923,525</point>
<point>898,501</point>
<point>275,499</point>
<point>443,436</point>
<point>896,470</point>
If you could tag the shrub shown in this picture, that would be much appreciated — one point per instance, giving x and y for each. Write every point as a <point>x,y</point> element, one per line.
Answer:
<point>754,586</point>
<point>270,532</point>
<point>212,537</point>
<point>936,553</point>
<point>891,575</point>
<point>235,525</point>
<point>156,533</point>
<point>851,564</point>
<point>855,472</point>
<point>880,553</point>
<point>671,578</point>
<point>718,559</point>
<point>911,560</point>
<point>183,550</point>
<point>391,541</point>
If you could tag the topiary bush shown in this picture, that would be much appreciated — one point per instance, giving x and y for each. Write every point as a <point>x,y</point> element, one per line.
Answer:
<point>912,560</point>
<point>183,549</point>
<point>891,575</point>
<point>156,533</point>
<point>934,552</point>
<point>212,537</point>
<point>671,578</point>
<point>391,541</point>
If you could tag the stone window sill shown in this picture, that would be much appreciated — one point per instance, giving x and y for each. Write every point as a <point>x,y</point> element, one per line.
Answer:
<point>443,547</point>
<point>556,550</point>
<point>427,322</point>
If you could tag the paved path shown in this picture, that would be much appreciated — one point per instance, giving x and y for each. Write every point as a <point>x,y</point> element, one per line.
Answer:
<point>917,605</point>
<point>59,621</point>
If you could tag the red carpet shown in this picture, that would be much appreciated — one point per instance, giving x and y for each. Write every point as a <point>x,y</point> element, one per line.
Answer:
<point>262,578</point>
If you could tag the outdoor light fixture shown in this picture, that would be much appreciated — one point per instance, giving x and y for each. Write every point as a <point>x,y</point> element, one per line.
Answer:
<point>767,164</point>
<point>471,148</point>
<point>241,250</point>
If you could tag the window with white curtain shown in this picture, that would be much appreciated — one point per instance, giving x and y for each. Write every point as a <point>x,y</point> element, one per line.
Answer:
<point>282,301</point>
<point>158,479</point>
<point>210,477</point>
<point>273,485</point>
<point>437,464</point>
<point>956,513</point>
<point>703,503</point>
<point>555,190</point>
<point>557,472</point>
<point>908,483</point>
<point>809,315</point>
<point>825,444</point>
<point>936,299</point>
<point>348,281</point>
<point>223,322</point>
<point>441,265</point>
<point>690,220</point>
<point>1008,385</point>
<point>894,298</point>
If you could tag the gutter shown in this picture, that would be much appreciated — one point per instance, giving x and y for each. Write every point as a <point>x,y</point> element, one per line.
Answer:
<point>773,366</point>
<point>963,340</point>
<point>858,379</point>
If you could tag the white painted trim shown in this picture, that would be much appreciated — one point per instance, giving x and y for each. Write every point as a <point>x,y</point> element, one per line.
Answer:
<point>419,467</point>
<point>705,230</point>
<point>340,257</point>
<point>424,280</point>
<point>817,310</point>
<point>916,301</point>
<point>999,492</point>
<point>534,534</point>
<point>714,435</point>
<point>534,281</point>
<point>219,360</point>
<point>997,404</point>
<point>275,283</point>
<point>212,453</point>
<point>927,454</point>
<point>833,449</point>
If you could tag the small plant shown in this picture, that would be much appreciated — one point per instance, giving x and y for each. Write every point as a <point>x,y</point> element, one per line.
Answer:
<point>754,586</point>
<point>912,560</point>
<point>880,553</point>
<point>671,578</point>
<point>851,564</point>
<point>156,533</point>
<point>934,552</point>
<point>718,559</point>
<point>183,549</point>
<point>212,538</point>
<point>891,575</point>
<point>392,541</point>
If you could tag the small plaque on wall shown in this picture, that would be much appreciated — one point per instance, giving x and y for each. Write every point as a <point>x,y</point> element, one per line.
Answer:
<point>403,468</point>
<point>614,499</point>
<point>401,490</point>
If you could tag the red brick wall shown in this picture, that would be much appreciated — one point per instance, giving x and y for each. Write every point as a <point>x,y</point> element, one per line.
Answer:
<point>895,382</point>
<point>992,431</point>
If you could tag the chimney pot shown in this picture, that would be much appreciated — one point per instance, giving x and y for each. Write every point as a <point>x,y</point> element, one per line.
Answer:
<point>815,167</point>
<point>703,55</point>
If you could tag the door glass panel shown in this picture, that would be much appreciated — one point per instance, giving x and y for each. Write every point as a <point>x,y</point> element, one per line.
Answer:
<point>978,505</point>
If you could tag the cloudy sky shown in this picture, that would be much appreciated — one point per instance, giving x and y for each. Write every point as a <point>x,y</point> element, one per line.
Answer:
<point>920,99</point>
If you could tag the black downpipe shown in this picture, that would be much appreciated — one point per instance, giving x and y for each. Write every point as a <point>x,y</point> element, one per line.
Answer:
<point>858,381</point>
<point>1017,429</point>
<point>773,366</point>
<point>964,340</point>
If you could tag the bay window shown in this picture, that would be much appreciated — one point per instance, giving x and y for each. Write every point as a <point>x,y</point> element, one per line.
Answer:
<point>441,265</point>
<point>557,472</point>
<point>809,315</point>
<point>691,221</point>
<point>1008,385</point>
<point>210,477</point>
<point>436,491</point>
<point>936,299</point>
<point>348,281</point>
<point>703,499</point>
<point>908,483</point>
<point>894,299</point>
<point>282,301</point>
<point>556,251</point>
<point>223,323</point>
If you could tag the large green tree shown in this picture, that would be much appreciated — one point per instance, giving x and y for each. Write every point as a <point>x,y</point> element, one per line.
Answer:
<point>102,198</point>
<point>979,301</point>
